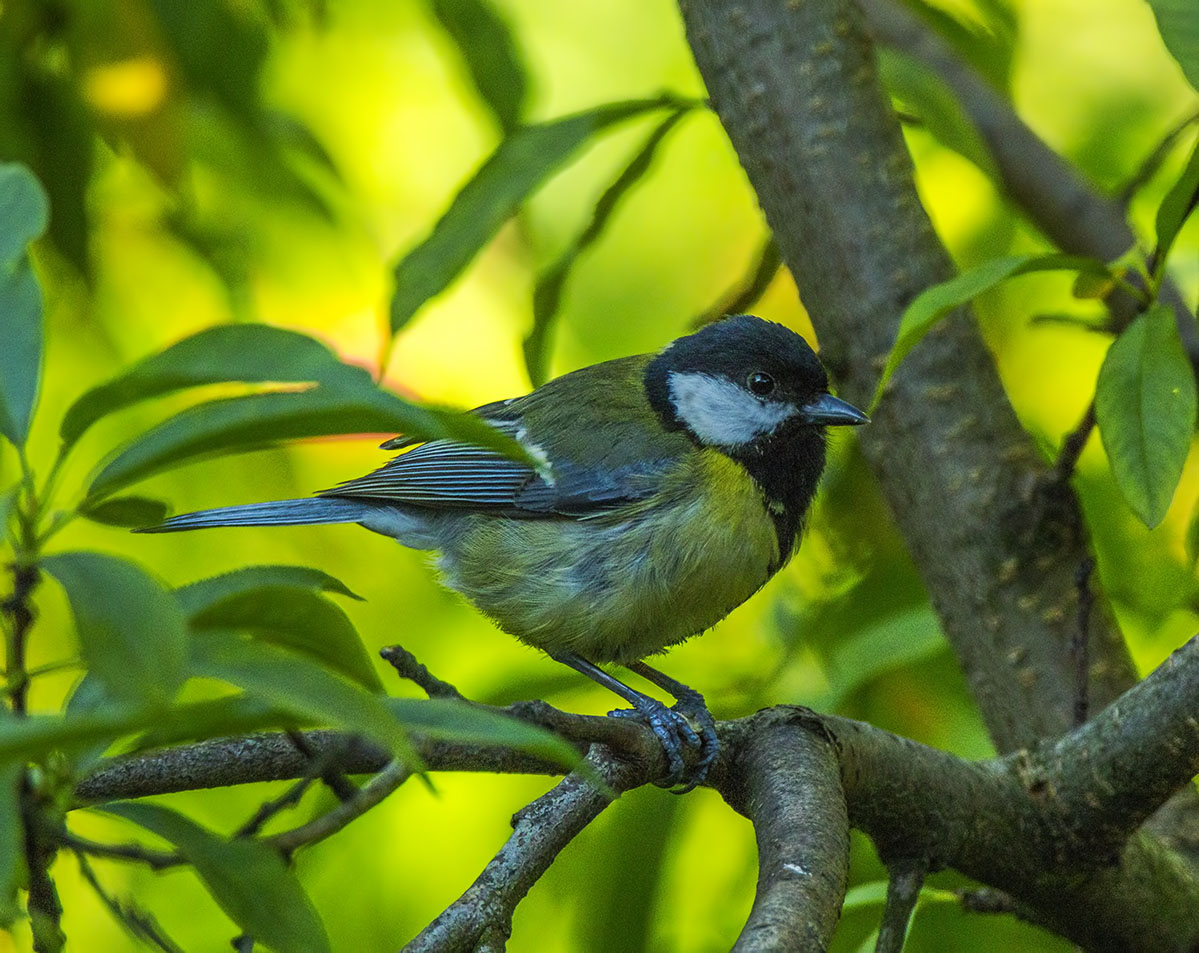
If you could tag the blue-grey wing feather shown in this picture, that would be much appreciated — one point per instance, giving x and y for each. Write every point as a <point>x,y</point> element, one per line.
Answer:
<point>447,474</point>
<point>598,456</point>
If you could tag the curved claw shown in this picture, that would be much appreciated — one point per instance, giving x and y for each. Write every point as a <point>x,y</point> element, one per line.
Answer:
<point>692,707</point>
<point>674,730</point>
<point>667,727</point>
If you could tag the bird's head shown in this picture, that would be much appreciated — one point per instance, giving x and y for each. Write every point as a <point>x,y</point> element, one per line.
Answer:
<point>739,383</point>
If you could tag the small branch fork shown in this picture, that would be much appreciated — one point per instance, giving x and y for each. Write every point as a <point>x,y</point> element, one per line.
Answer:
<point>1054,831</point>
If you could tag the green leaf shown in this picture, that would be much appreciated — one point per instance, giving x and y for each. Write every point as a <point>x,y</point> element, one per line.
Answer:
<point>198,596</point>
<point>1145,405</point>
<point>448,719</point>
<point>13,872</point>
<point>491,55</point>
<point>248,879</point>
<point>882,646</point>
<point>247,353</point>
<point>521,163</point>
<point>294,683</point>
<point>21,354</point>
<point>872,894</point>
<point>132,632</point>
<point>127,511</point>
<point>1176,207</point>
<point>24,213</point>
<point>63,128</point>
<point>230,716</point>
<point>752,285</point>
<point>934,303</point>
<point>24,210</point>
<point>547,294</point>
<point>1179,26</point>
<point>97,727</point>
<point>294,618</point>
<point>203,32</point>
<point>254,421</point>
<point>924,93</point>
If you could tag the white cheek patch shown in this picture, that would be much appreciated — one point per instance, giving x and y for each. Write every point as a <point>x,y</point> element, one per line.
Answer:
<point>722,413</point>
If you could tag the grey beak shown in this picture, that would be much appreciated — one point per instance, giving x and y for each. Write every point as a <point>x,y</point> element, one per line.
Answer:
<point>831,411</point>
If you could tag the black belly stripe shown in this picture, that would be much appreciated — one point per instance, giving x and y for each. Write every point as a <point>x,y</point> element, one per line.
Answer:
<point>787,468</point>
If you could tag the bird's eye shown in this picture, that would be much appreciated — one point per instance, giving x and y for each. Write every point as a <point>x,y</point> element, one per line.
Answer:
<point>760,383</point>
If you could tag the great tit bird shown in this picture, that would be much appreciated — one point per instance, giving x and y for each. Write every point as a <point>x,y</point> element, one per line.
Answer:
<point>674,486</point>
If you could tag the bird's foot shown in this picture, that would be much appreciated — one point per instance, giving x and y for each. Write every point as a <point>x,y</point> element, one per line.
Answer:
<point>675,730</point>
<point>692,708</point>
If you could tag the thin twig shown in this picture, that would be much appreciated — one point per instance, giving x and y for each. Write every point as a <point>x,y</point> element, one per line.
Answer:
<point>373,792</point>
<point>325,766</point>
<point>481,919</point>
<point>1082,640</point>
<point>154,859</point>
<point>903,890</point>
<point>1073,445</point>
<point>1152,162</point>
<point>407,666</point>
<point>289,798</point>
<point>18,607</point>
<point>140,924</point>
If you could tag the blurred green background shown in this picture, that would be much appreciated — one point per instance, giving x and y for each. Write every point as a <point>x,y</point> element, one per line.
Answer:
<point>192,209</point>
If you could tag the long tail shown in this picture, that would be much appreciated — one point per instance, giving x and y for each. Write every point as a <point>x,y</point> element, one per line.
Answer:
<point>304,512</point>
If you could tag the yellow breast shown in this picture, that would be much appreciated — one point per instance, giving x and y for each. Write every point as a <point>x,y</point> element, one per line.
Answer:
<point>628,583</point>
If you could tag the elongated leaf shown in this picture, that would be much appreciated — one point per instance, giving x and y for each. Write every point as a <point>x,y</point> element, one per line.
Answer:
<point>228,717</point>
<point>131,631</point>
<point>248,353</point>
<point>547,295</point>
<point>13,871</point>
<point>248,879</point>
<point>96,728</point>
<point>27,738</point>
<point>23,217</point>
<point>752,285</point>
<point>297,619</point>
<point>254,421</point>
<point>521,163</point>
<point>24,210</point>
<point>491,55</point>
<point>129,511</point>
<point>882,646</point>
<point>447,719</point>
<point>923,92</point>
<point>1177,206</point>
<point>198,596</point>
<point>934,303</point>
<point>21,354</point>
<point>1179,27</point>
<point>294,683</point>
<point>1145,405</point>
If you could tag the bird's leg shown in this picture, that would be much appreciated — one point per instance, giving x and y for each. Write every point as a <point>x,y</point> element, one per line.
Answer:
<point>690,704</point>
<point>671,727</point>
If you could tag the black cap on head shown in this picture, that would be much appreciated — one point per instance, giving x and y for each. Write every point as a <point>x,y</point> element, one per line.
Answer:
<point>768,360</point>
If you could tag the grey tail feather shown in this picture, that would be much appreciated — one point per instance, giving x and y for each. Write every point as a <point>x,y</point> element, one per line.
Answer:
<point>303,512</point>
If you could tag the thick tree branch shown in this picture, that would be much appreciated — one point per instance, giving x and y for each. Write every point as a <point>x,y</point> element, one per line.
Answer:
<point>272,757</point>
<point>788,783</point>
<point>1049,827</point>
<point>1048,189</point>
<point>796,88</point>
